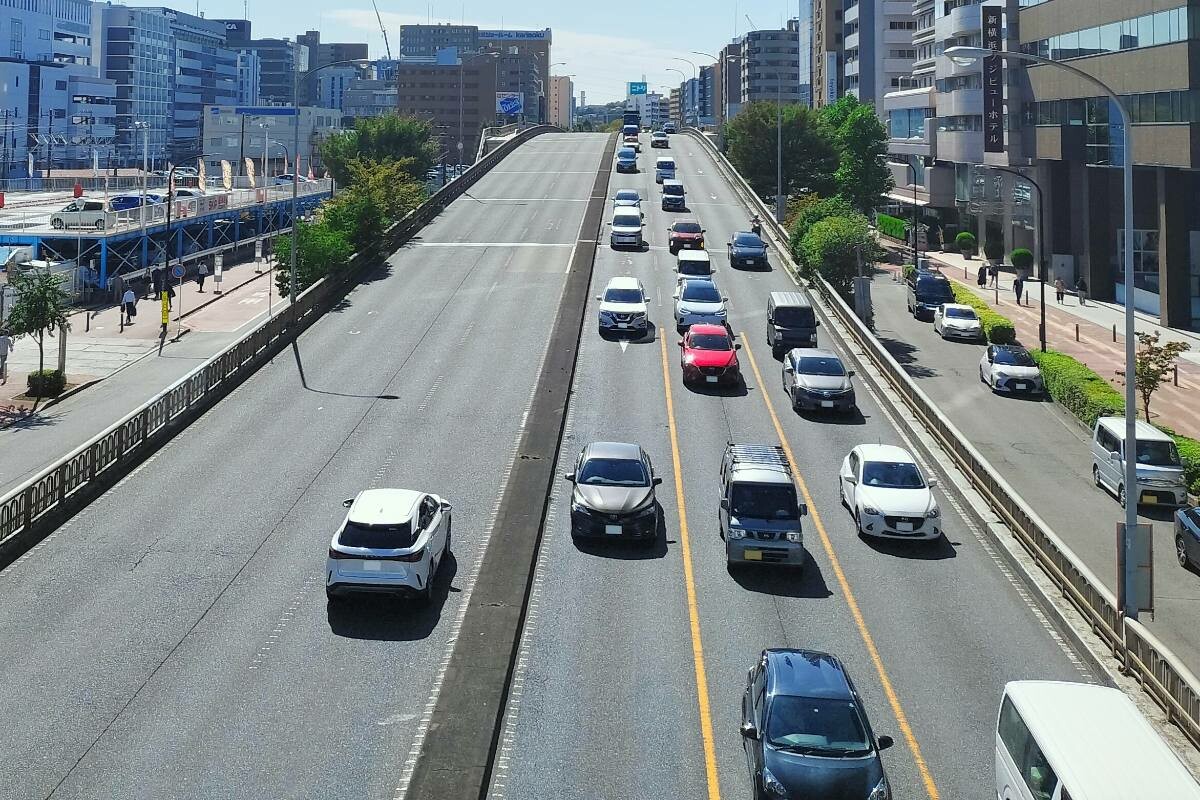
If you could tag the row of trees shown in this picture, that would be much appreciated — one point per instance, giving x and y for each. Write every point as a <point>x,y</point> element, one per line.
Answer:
<point>380,169</point>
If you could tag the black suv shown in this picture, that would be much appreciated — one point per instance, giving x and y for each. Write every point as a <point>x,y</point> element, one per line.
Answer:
<point>927,291</point>
<point>805,731</point>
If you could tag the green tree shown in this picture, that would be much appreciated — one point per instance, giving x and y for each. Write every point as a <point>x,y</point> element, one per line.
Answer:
<point>809,157</point>
<point>323,250</point>
<point>1153,361</point>
<point>808,211</point>
<point>383,139</point>
<point>862,175</point>
<point>41,306</point>
<point>833,248</point>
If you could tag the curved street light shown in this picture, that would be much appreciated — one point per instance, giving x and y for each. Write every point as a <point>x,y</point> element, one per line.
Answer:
<point>969,55</point>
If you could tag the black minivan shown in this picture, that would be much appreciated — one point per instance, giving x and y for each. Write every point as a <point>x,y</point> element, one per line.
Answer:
<point>791,322</point>
<point>927,291</point>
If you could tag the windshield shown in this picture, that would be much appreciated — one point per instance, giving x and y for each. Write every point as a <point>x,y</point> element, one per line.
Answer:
<point>813,365</point>
<point>686,227</point>
<point>1157,454</point>
<point>817,726</point>
<point>961,313</point>
<point>677,190</point>
<point>376,537</point>
<point>934,290</point>
<point>613,472</point>
<point>747,240</point>
<point>892,475</point>
<point>794,317</point>
<point>622,296</point>
<point>627,221</point>
<point>1016,358</point>
<point>629,194</point>
<point>710,341</point>
<point>626,152</point>
<point>764,501</point>
<point>667,165</point>
<point>701,292</point>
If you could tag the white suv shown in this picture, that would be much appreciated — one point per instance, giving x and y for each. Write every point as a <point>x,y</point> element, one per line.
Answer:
<point>623,307</point>
<point>391,541</point>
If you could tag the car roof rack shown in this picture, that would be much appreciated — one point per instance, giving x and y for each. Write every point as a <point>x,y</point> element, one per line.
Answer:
<point>764,455</point>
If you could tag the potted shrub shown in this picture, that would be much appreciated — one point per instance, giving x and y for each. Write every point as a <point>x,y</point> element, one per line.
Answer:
<point>965,242</point>
<point>994,251</point>
<point>45,383</point>
<point>1022,260</point>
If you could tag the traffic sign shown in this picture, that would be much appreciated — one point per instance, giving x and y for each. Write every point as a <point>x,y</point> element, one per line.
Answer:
<point>510,102</point>
<point>177,270</point>
<point>638,87</point>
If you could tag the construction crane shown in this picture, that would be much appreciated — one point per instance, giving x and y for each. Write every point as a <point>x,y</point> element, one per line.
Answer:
<point>382,30</point>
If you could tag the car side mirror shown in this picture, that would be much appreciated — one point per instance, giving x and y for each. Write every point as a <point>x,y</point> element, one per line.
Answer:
<point>749,731</point>
<point>804,509</point>
<point>850,479</point>
<point>816,323</point>
<point>932,483</point>
<point>598,297</point>
<point>681,343</point>
<point>724,503</point>
<point>737,346</point>
<point>724,299</point>
<point>446,506</point>
<point>702,230</point>
<point>569,477</point>
<point>885,742</point>
<point>850,373</point>
<point>656,480</point>
<point>1114,456</point>
<point>349,501</point>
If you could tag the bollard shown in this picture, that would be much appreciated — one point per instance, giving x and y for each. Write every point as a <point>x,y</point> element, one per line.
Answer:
<point>1077,331</point>
<point>1114,332</point>
<point>1176,374</point>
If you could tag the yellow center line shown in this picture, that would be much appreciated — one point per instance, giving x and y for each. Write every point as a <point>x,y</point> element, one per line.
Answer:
<point>706,733</point>
<point>859,622</point>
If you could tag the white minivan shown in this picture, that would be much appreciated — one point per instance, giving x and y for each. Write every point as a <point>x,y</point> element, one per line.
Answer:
<point>1160,475</point>
<point>664,169</point>
<point>81,213</point>
<point>1080,741</point>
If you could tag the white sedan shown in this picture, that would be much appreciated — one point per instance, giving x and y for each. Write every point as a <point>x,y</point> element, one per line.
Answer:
<point>889,497</point>
<point>957,321</point>
<point>1010,369</point>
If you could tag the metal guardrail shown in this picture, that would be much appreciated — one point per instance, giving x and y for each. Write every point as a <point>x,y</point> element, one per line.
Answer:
<point>1172,685</point>
<point>34,509</point>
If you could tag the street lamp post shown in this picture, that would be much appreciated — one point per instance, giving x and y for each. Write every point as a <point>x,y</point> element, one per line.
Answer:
<point>145,128</point>
<point>1041,246</point>
<point>695,77</point>
<point>916,252</point>
<point>682,116</point>
<point>968,55</point>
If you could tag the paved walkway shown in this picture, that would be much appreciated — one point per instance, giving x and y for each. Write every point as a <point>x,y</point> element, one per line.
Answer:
<point>1086,333</point>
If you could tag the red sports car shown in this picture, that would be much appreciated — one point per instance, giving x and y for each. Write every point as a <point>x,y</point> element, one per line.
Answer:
<point>709,355</point>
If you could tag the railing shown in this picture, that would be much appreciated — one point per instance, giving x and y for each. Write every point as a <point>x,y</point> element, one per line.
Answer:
<point>1172,685</point>
<point>34,509</point>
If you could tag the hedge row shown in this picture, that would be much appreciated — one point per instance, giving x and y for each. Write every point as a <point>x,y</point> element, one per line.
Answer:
<point>998,329</point>
<point>1088,396</point>
<point>892,226</point>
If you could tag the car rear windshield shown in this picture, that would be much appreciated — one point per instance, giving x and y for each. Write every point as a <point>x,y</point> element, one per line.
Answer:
<point>764,501</point>
<point>622,296</point>
<point>794,317</point>
<point>613,472</point>
<point>1157,454</point>
<point>627,221</point>
<point>710,341</point>
<point>934,290</point>
<point>686,227</point>
<point>666,165</point>
<point>626,152</point>
<point>961,313</point>
<point>747,240</point>
<point>701,293</point>
<point>823,726</point>
<point>892,475</point>
<point>628,194</point>
<point>1015,358</point>
<point>676,190</point>
<point>815,365</point>
<point>376,537</point>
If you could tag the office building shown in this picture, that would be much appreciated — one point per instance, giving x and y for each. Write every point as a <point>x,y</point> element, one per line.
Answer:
<point>134,47</point>
<point>332,85</point>
<point>369,98</point>
<point>321,54</point>
<point>771,65</point>
<point>804,47</point>
<point>878,50</point>
<point>561,100</point>
<point>675,106</point>
<point>459,99</point>
<point>653,108</point>
<point>278,61</point>
<point>706,96</point>
<point>424,41</point>
<point>826,58</point>
<point>249,77</point>
<point>234,133</point>
<point>727,94</point>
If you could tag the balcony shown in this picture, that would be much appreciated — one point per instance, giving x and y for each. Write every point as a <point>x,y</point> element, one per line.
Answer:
<point>960,21</point>
<point>960,103</point>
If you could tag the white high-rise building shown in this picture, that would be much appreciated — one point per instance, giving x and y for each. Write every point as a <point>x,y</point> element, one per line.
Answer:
<point>562,101</point>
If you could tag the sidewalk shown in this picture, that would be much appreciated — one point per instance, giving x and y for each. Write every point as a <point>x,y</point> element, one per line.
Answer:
<point>99,346</point>
<point>1086,333</point>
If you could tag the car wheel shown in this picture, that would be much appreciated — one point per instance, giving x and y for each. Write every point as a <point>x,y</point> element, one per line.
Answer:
<point>1096,476</point>
<point>1181,552</point>
<point>99,224</point>
<point>1121,495</point>
<point>57,224</point>
<point>857,523</point>
<point>842,492</point>
<point>795,402</point>
<point>425,596</point>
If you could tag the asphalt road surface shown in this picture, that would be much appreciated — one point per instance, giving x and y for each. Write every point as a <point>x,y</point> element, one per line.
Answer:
<point>173,639</point>
<point>633,662</point>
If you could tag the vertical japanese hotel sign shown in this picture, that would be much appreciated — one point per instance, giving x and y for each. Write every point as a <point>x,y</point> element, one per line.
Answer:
<point>993,82</point>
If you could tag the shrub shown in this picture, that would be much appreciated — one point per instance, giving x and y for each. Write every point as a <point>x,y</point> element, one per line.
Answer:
<point>907,271</point>
<point>46,383</point>
<point>808,212</point>
<point>965,242</point>
<point>1077,388</point>
<point>892,226</point>
<point>993,250</point>
<point>323,250</point>
<point>833,246</point>
<point>1021,258</point>
<point>998,328</point>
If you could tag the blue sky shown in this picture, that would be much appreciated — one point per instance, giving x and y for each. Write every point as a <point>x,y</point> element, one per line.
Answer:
<point>604,44</point>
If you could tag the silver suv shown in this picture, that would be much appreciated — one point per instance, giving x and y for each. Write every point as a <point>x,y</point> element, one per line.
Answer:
<point>760,514</point>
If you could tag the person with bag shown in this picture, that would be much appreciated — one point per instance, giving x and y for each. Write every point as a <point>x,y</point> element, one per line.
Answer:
<point>981,276</point>
<point>1018,288</point>
<point>201,274</point>
<point>1060,290</point>
<point>129,305</point>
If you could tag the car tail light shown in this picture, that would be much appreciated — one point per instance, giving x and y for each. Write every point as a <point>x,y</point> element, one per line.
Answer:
<point>339,554</point>
<point>410,557</point>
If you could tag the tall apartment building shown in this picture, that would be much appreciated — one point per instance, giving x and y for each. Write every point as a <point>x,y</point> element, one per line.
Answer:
<point>332,85</point>
<point>424,41</point>
<point>804,46</point>
<point>370,98</point>
<point>706,95</point>
<point>134,47</point>
<point>249,77</point>
<point>458,98</point>
<point>770,62</point>
<point>322,53</point>
<point>878,52</point>
<point>278,60</point>
<point>826,58</point>
<point>727,94</point>
<point>675,105</point>
<point>561,101</point>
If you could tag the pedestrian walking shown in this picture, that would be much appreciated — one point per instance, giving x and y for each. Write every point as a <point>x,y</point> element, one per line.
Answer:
<point>156,282</point>
<point>1018,288</point>
<point>981,276</point>
<point>201,274</point>
<point>1060,290</point>
<point>993,274</point>
<point>170,293</point>
<point>129,306</point>
<point>6,347</point>
<point>1081,290</point>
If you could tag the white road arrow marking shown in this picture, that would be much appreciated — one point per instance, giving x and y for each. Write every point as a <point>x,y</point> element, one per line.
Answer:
<point>624,345</point>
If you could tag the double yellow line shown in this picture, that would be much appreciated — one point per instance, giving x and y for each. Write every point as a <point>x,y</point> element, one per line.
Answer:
<point>710,761</point>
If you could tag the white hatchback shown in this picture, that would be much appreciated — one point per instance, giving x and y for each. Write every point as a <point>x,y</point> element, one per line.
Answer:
<point>392,541</point>
<point>957,321</point>
<point>889,497</point>
<point>1009,368</point>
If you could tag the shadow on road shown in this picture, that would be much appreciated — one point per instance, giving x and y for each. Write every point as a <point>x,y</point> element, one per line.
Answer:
<point>852,417</point>
<point>649,337</point>
<point>906,355</point>
<point>304,383</point>
<point>624,549</point>
<point>392,619</point>
<point>784,581</point>
<point>916,550</point>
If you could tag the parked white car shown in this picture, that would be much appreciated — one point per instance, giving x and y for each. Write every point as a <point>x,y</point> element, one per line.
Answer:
<point>957,321</point>
<point>392,541</point>
<point>81,213</point>
<point>884,489</point>
<point>1009,368</point>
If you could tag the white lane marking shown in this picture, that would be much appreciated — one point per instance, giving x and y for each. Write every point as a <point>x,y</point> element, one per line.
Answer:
<point>624,345</point>
<point>429,395</point>
<point>491,244</point>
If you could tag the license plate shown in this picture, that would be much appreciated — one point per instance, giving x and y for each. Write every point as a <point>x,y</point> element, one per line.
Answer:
<point>710,378</point>
<point>751,260</point>
<point>622,324</point>
<point>826,404</point>
<point>612,530</point>
<point>1020,386</point>
<point>372,566</point>
<point>904,526</point>
<point>752,555</point>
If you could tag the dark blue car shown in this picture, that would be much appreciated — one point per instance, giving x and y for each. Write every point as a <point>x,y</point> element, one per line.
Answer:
<point>747,249</point>
<point>1187,537</point>
<point>805,731</point>
<point>124,202</point>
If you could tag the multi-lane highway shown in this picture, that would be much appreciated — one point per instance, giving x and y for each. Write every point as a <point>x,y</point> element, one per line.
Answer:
<point>173,639</point>
<point>631,671</point>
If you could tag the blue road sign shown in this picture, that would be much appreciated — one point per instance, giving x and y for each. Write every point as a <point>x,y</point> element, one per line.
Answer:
<point>177,270</point>
<point>637,88</point>
<point>510,102</point>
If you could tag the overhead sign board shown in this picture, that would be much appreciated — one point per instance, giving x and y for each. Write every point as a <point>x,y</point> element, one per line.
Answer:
<point>993,82</point>
<point>516,35</point>
<point>638,87</point>
<point>510,102</point>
